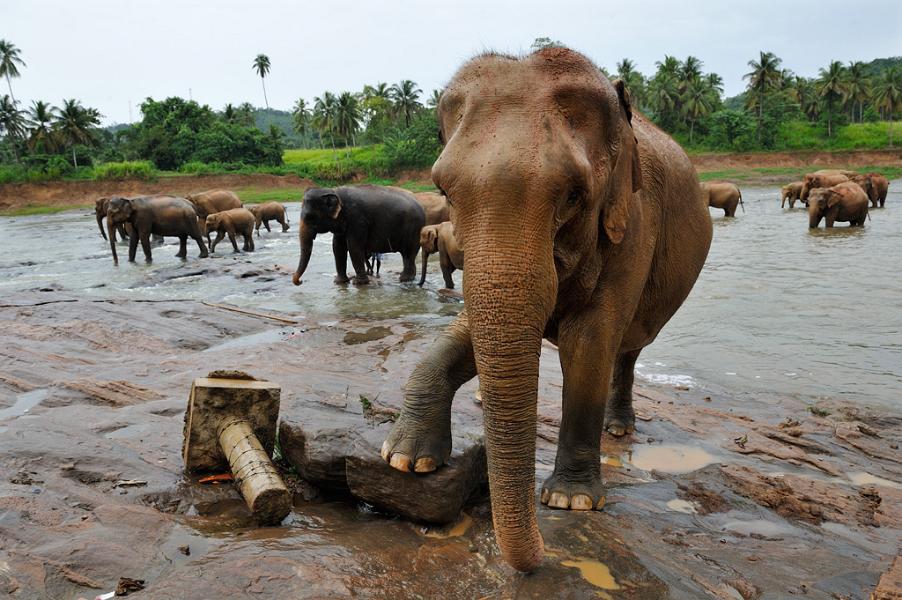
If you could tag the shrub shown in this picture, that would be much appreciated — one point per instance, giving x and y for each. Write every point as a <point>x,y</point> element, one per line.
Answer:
<point>117,171</point>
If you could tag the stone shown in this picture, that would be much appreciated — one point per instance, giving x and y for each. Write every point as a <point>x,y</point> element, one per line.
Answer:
<point>890,585</point>
<point>338,451</point>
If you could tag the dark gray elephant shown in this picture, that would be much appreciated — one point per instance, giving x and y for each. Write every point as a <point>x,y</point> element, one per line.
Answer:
<point>154,215</point>
<point>363,220</point>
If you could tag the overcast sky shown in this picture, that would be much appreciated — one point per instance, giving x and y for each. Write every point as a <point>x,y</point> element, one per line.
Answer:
<point>108,53</point>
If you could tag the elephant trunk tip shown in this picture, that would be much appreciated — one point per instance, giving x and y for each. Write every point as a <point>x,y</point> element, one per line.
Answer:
<point>296,278</point>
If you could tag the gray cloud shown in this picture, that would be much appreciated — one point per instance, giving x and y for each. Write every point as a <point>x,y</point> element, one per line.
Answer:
<point>108,53</point>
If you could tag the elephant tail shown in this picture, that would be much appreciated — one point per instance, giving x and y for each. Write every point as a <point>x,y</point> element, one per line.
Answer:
<point>741,203</point>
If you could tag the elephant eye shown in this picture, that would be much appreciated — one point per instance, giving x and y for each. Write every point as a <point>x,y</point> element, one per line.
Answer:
<point>576,196</point>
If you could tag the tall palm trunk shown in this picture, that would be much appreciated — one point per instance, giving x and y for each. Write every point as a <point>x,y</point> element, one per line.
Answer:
<point>265,99</point>
<point>10,86</point>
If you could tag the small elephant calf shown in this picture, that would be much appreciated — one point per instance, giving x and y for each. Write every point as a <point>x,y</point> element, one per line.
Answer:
<point>269,211</point>
<point>440,238</point>
<point>236,220</point>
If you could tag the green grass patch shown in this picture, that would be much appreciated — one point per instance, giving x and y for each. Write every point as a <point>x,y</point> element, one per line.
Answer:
<point>119,171</point>
<point>36,209</point>
<point>256,195</point>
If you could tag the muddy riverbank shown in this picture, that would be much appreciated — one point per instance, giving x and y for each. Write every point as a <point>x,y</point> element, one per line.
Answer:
<point>718,494</point>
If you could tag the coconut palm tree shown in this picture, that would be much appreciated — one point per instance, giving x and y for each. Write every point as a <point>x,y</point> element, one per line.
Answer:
<point>404,95</point>
<point>888,95</point>
<point>434,99</point>
<point>9,64</point>
<point>300,117</point>
<point>764,78</point>
<point>831,87</point>
<point>41,138</point>
<point>12,123</point>
<point>229,114</point>
<point>244,114</point>
<point>858,88</point>
<point>261,65</point>
<point>633,80</point>
<point>347,116</point>
<point>690,69</point>
<point>75,125</point>
<point>324,115</point>
<point>803,93</point>
<point>664,97</point>
<point>696,102</point>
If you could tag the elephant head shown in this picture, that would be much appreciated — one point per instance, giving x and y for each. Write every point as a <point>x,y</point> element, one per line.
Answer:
<point>320,213</point>
<point>428,245</point>
<point>212,222</point>
<point>532,205</point>
<point>119,211</point>
<point>819,202</point>
<point>100,207</point>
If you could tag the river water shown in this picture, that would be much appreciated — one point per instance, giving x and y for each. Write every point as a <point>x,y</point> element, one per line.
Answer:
<point>779,311</point>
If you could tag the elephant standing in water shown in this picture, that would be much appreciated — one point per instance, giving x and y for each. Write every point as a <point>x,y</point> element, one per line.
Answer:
<point>791,192</point>
<point>154,215</point>
<point>821,179</point>
<point>723,195</point>
<point>881,187</point>
<point>581,222</point>
<point>363,220</point>
<point>440,238</point>
<point>843,202</point>
<point>100,210</point>
<point>231,222</point>
<point>210,202</point>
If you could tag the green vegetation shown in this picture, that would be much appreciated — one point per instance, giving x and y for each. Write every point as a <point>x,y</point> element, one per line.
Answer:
<point>784,174</point>
<point>31,209</point>
<point>118,171</point>
<point>256,196</point>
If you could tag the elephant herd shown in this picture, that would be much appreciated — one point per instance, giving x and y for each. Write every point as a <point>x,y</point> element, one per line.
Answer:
<point>829,194</point>
<point>837,195</point>
<point>140,218</point>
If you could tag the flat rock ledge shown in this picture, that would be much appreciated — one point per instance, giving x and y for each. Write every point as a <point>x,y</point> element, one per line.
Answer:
<point>338,451</point>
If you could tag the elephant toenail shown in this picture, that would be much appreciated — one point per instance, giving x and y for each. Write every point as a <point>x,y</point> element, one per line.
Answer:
<point>401,462</point>
<point>424,465</point>
<point>385,451</point>
<point>600,504</point>
<point>544,496</point>
<point>559,500</point>
<point>581,502</point>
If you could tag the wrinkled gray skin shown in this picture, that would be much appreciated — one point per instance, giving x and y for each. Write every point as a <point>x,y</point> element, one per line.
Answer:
<point>154,215</point>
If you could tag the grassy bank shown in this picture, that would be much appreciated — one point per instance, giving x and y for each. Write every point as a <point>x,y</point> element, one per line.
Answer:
<point>773,175</point>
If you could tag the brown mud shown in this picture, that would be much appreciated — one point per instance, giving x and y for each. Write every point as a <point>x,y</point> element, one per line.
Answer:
<point>711,497</point>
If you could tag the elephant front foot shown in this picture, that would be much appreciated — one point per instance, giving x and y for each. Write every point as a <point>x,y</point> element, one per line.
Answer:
<point>573,492</point>
<point>361,280</point>
<point>340,280</point>
<point>619,421</point>
<point>418,447</point>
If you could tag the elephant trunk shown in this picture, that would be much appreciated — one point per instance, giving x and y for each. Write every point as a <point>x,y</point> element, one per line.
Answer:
<point>112,229</point>
<point>803,196</point>
<point>306,236</point>
<point>100,225</point>
<point>507,314</point>
<point>814,216</point>
<point>425,262</point>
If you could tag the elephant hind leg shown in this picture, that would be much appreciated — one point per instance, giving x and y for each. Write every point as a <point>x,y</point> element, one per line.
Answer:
<point>183,246</point>
<point>619,416</point>
<point>409,273</point>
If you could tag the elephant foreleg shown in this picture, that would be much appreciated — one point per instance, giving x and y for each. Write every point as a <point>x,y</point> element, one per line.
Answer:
<point>219,236</point>
<point>145,245</point>
<point>447,269</point>
<point>409,273</point>
<point>340,251</point>
<point>233,240</point>
<point>358,260</point>
<point>266,224</point>
<point>132,246</point>
<point>421,437</point>
<point>588,349</point>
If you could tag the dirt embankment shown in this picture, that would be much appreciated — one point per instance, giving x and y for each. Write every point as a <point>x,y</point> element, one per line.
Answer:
<point>752,160</point>
<point>75,193</point>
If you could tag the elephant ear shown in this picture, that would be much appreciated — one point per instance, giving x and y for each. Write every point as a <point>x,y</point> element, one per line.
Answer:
<point>626,176</point>
<point>333,202</point>
<point>832,199</point>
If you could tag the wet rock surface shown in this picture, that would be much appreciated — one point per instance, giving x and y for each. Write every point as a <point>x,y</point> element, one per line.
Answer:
<point>92,488</point>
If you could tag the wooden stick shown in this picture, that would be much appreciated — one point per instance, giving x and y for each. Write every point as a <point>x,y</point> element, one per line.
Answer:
<point>251,313</point>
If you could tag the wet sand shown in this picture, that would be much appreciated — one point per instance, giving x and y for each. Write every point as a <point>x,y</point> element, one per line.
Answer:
<point>714,496</point>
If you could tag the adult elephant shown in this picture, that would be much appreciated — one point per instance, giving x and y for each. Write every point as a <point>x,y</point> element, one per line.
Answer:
<point>436,207</point>
<point>581,222</point>
<point>843,202</point>
<point>210,202</point>
<point>363,220</point>
<point>100,210</point>
<point>881,187</point>
<point>866,183</point>
<point>790,192</point>
<point>820,179</point>
<point>725,196</point>
<point>440,238</point>
<point>154,215</point>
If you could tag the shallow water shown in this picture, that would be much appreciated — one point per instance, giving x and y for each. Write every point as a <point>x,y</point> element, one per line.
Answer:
<point>779,311</point>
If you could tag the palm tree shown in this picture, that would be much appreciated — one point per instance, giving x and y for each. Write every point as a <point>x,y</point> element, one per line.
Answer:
<point>40,116</point>
<point>664,96</point>
<point>9,64</point>
<point>831,86</point>
<point>857,88</point>
<point>405,96</point>
<point>804,94</point>
<point>434,99</point>
<point>75,125</point>
<point>12,123</point>
<point>632,80</point>
<point>764,77</point>
<point>690,69</point>
<point>347,116</point>
<point>380,90</point>
<point>261,65</point>
<point>244,114</point>
<point>888,95</point>
<point>300,117</point>
<point>229,114</point>
<point>669,66</point>
<point>696,102</point>
<point>324,115</point>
